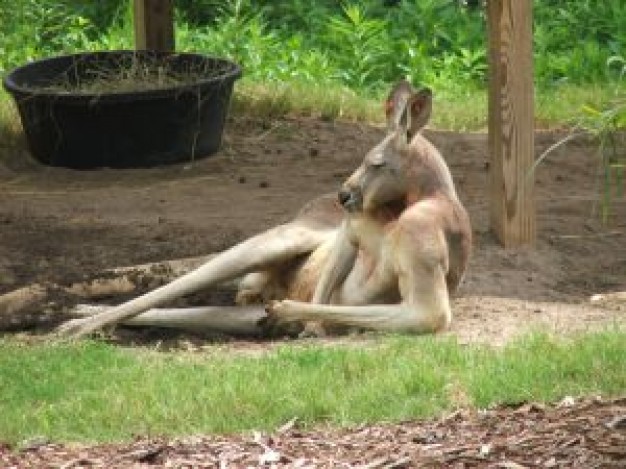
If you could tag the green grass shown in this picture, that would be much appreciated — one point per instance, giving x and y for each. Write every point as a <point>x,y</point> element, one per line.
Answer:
<point>10,126</point>
<point>96,392</point>
<point>563,105</point>
<point>275,100</point>
<point>459,111</point>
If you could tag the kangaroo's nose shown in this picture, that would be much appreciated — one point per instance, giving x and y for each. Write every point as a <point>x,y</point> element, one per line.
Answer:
<point>344,196</point>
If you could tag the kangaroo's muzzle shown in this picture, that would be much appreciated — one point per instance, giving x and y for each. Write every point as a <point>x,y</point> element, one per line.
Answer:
<point>350,200</point>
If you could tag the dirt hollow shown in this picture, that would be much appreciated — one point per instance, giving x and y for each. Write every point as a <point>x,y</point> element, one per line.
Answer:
<point>62,225</point>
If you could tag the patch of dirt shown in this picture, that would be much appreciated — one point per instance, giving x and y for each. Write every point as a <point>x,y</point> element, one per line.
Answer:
<point>62,225</point>
<point>571,435</point>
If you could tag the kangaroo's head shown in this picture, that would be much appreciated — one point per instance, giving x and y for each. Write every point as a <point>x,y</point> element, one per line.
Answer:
<point>382,176</point>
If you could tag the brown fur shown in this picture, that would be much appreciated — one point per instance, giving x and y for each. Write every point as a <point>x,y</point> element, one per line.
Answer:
<point>386,257</point>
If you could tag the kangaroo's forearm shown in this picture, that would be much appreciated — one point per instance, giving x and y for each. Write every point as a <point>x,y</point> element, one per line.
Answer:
<point>399,317</point>
<point>336,269</point>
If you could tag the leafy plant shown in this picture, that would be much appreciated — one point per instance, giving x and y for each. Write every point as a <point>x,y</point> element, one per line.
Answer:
<point>604,123</point>
<point>39,28</point>
<point>363,45</point>
<point>359,44</point>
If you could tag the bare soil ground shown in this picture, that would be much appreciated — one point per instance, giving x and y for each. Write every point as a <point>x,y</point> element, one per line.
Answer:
<point>62,225</point>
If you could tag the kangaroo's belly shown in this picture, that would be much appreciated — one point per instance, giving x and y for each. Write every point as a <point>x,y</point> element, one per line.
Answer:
<point>371,279</point>
<point>302,280</point>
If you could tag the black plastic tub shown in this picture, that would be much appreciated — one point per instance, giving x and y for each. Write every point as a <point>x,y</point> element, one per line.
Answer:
<point>122,129</point>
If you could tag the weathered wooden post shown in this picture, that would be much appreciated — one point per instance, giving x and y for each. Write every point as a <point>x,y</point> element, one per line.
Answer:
<point>511,119</point>
<point>154,25</point>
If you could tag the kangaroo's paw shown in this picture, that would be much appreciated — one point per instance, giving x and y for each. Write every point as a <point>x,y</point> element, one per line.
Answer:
<point>278,322</point>
<point>273,317</point>
<point>280,310</point>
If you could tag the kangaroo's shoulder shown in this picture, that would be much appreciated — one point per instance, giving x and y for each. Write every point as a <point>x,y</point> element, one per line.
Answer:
<point>439,210</point>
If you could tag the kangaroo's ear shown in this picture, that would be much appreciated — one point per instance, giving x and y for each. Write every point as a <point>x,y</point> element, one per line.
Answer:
<point>421,106</point>
<point>396,106</point>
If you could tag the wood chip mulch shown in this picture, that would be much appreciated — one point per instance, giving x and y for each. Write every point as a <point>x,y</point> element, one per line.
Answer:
<point>571,434</point>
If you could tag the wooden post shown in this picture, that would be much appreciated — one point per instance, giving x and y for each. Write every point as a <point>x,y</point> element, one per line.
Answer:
<point>511,121</point>
<point>154,25</point>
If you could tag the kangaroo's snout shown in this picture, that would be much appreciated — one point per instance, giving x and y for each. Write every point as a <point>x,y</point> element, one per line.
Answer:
<point>350,199</point>
<point>344,196</point>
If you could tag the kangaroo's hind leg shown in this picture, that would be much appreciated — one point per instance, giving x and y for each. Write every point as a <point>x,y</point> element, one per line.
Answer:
<point>243,321</point>
<point>259,253</point>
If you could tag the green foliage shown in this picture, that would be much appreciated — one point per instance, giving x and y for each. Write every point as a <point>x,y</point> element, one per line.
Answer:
<point>363,45</point>
<point>37,29</point>
<point>360,46</point>
<point>573,40</point>
<point>93,391</point>
<point>604,120</point>
<point>605,125</point>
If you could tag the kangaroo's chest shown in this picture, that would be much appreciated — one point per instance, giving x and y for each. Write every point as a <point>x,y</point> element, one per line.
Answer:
<point>372,278</point>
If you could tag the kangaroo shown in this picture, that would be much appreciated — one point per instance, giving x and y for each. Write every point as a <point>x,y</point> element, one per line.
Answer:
<point>385,254</point>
